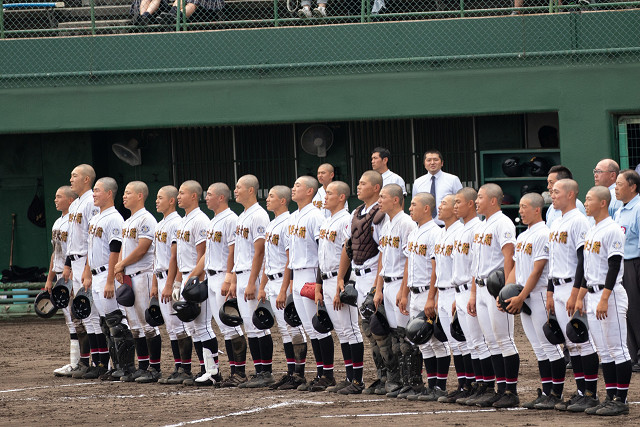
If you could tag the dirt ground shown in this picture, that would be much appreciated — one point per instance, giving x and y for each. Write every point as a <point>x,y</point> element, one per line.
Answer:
<point>30,395</point>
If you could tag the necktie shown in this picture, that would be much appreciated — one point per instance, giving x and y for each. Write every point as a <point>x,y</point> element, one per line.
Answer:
<point>433,193</point>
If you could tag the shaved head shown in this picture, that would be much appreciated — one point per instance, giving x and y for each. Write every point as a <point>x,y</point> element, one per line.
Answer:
<point>309,182</point>
<point>221,189</point>
<point>373,177</point>
<point>68,192</point>
<point>283,192</point>
<point>170,191</point>
<point>426,199</point>
<point>394,190</point>
<point>88,171</point>
<point>601,193</point>
<point>569,185</point>
<point>468,193</point>
<point>108,184</point>
<point>534,199</point>
<point>341,188</point>
<point>139,187</point>
<point>193,187</point>
<point>327,166</point>
<point>250,181</point>
<point>493,191</point>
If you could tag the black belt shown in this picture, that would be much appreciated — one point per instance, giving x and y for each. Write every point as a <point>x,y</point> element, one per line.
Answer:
<point>275,276</point>
<point>57,272</point>
<point>418,289</point>
<point>99,270</point>
<point>329,275</point>
<point>362,271</point>
<point>135,274</point>
<point>76,257</point>
<point>214,272</point>
<point>243,271</point>
<point>445,289</point>
<point>595,288</point>
<point>558,282</point>
<point>161,274</point>
<point>388,279</point>
<point>480,282</point>
<point>463,287</point>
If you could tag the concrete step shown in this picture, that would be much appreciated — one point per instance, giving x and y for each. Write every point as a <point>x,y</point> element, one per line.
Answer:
<point>84,12</point>
<point>99,24</point>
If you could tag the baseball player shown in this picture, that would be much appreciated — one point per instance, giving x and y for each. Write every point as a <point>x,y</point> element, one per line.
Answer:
<point>605,174</point>
<point>446,294</point>
<point>379,163</point>
<point>627,189</point>
<point>274,275</point>
<point>420,280</point>
<point>217,262</point>
<point>304,232</point>
<point>344,317</point>
<point>436,181</point>
<point>480,375</point>
<point>566,241</point>
<point>136,262</point>
<point>393,243</point>
<point>557,173</point>
<point>191,244</point>
<point>164,273</point>
<point>531,271</point>
<point>325,177</point>
<point>606,302</point>
<point>80,212</point>
<point>248,258</point>
<point>495,237</point>
<point>59,234</point>
<point>103,246</point>
<point>361,250</point>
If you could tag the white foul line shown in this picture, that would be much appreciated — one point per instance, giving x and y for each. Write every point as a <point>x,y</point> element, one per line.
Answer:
<point>250,411</point>
<point>393,414</point>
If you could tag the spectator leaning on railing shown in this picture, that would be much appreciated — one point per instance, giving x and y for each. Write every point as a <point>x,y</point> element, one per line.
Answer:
<point>146,12</point>
<point>306,12</point>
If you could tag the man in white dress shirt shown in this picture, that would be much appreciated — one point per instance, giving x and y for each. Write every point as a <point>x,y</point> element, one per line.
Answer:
<point>325,177</point>
<point>380,163</point>
<point>436,181</point>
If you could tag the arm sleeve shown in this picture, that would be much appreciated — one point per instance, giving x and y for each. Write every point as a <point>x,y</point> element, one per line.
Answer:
<point>67,261</point>
<point>614,268</point>
<point>579,268</point>
<point>550,286</point>
<point>115,246</point>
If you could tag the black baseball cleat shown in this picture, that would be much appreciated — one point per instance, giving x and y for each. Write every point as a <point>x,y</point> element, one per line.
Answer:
<point>589,400</point>
<point>322,384</point>
<point>294,382</point>
<point>471,393</point>
<point>285,378</point>
<point>615,407</point>
<point>410,391</point>
<point>192,381</point>
<point>394,393</point>
<point>482,390</point>
<point>151,375</point>
<point>549,402</point>
<point>594,409</point>
<point>94,372</point>
<point>531,404</point>
<point>129,378</point>
<point>424,392</point>
<point>108,376</point>
<point>562,405</point>
<point>454,395</point>
<point>166,379</point>
<point>180,376</point>
<point>234,380</point>
<point>355,387</point>
<point>436,393</point>
<point>307,386</point>
<point>373,387</point>
<point>508,400</point>
<point>488,399</point>
<point>79,371</point>
<point>339,386</point>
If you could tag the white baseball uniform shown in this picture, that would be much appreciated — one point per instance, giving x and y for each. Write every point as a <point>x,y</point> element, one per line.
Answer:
<point>59,236</point>
<point>165,237</point>
<point>566,235</point>
<point>221,235</point>
<point>491,236</point>
<point>602,241</point>
<point>532,245</point>
<point>332,237</point>
<point>251,226</point>
<point>140,225</point>
<point>393,244</point>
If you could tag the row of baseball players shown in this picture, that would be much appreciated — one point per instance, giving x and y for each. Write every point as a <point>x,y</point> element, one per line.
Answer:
<point>388,236</point>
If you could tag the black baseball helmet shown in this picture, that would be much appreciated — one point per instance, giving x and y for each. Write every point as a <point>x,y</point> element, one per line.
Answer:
<point>321,321</point>
<point>349,295</point>
<point>578,328</point>
<point>125,295</point>
<point>512,167</point>
<point>290,313</point>
<point>61,293</point>
<point>420,329</point>
<point>552,330</point>
<point>230,313</point>
<point>367,308</point>
<point>186,311</point>
<point>82,303</point>
<point>378,322</point>
<point>495,282</point>
<point>438,330</point>
<point>526,189</point>
<point>263,317</point>
<point>44,306</point>
<point>456,330</point>
<point>539,166</point>
<point>153,314</point>
<point>195,290</point>
<point>511,290</point>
